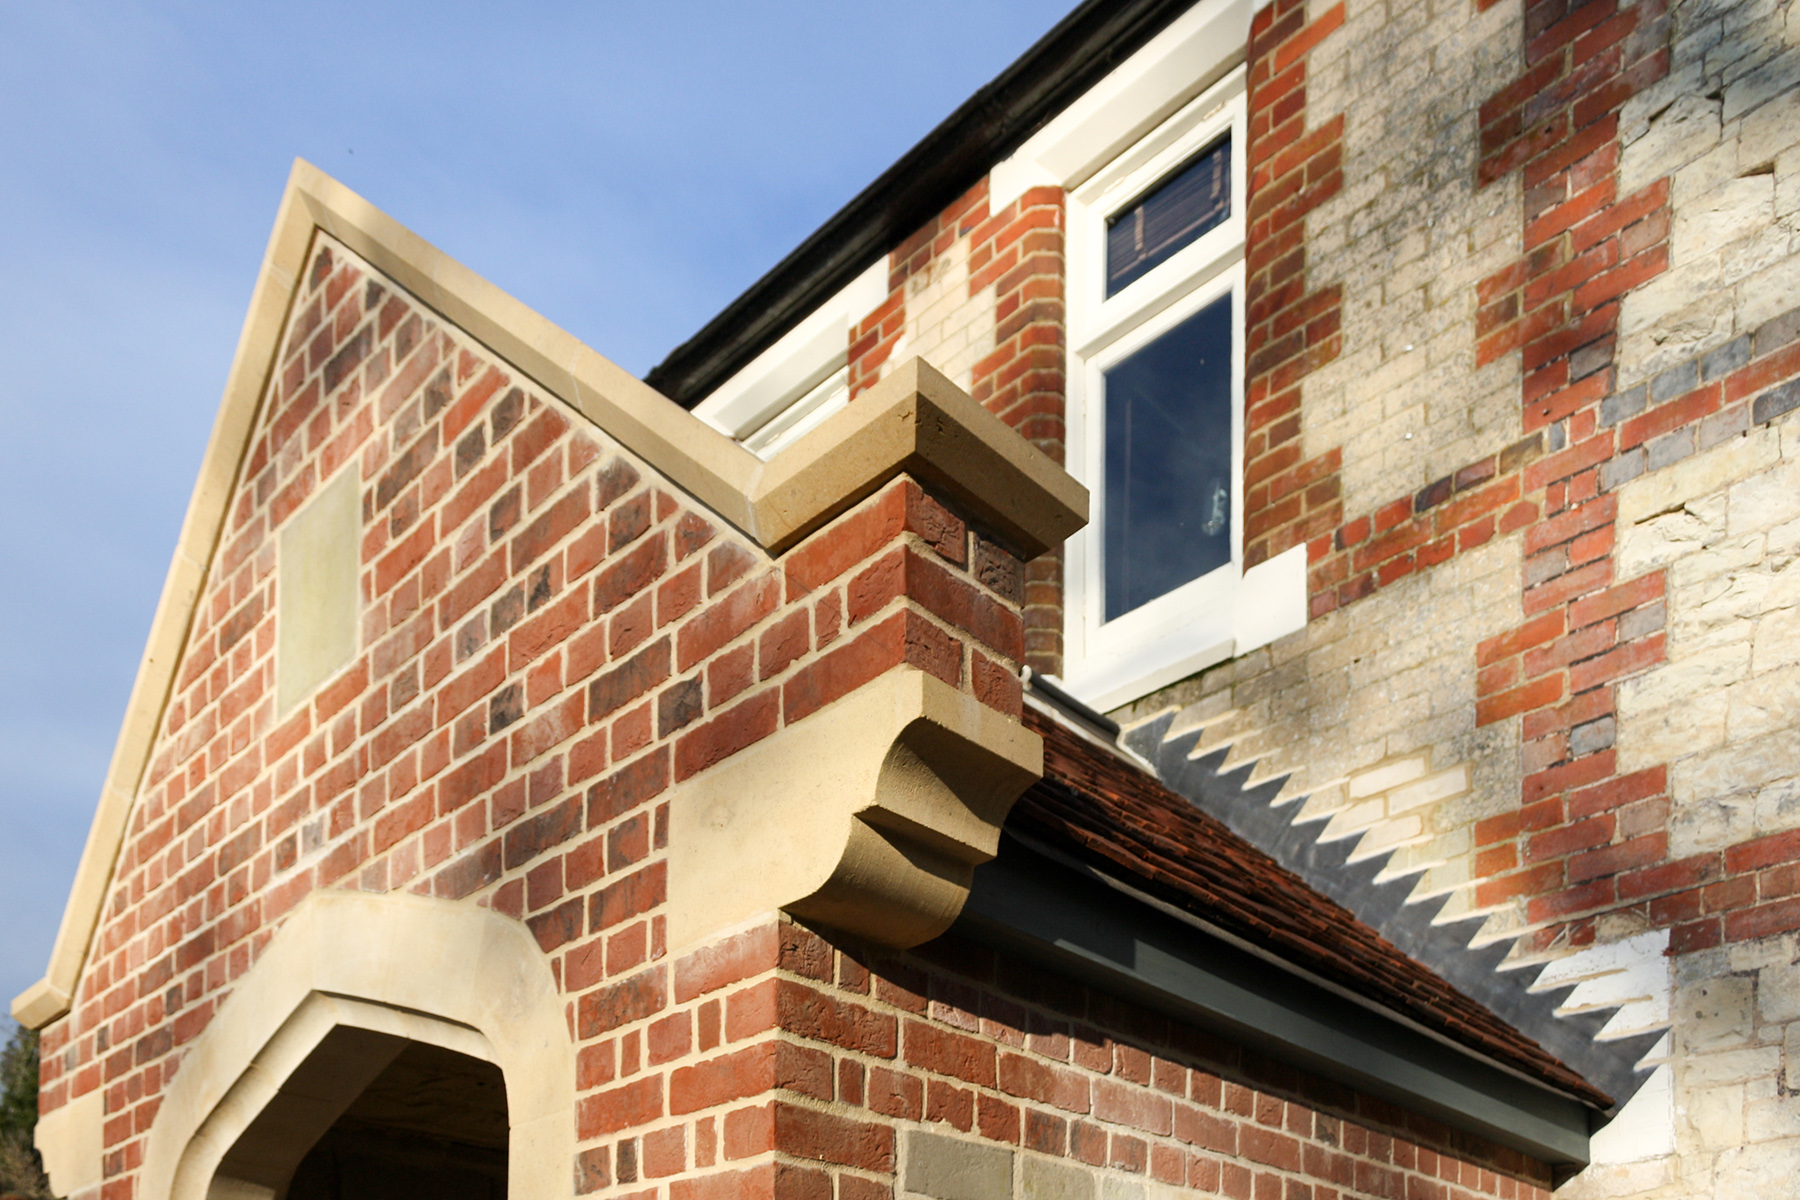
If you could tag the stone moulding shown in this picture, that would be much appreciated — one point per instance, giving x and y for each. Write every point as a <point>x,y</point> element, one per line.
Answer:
<point>386,969</point>
<point>915,422</point>
<point>869,816</point>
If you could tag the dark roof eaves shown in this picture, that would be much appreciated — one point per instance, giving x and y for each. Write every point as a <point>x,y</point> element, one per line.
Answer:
<point>949,160</point>
<point>1475,1026</point>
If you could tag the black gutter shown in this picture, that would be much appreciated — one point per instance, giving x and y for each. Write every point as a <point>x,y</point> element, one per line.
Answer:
<point>1035,902</point>
<point>991,124</point>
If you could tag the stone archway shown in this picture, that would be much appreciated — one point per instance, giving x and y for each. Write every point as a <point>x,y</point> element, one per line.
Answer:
<point>348,984</point>
<point>433,1122</point>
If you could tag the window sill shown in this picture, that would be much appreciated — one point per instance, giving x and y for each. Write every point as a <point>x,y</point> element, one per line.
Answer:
<point>1267,602</point>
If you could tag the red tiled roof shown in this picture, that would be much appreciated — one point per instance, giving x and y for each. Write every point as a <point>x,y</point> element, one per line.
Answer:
<point>1116,816</point>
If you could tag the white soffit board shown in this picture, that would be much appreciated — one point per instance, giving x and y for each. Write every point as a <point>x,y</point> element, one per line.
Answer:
<point>1176,65</point>
<point>803,357</point>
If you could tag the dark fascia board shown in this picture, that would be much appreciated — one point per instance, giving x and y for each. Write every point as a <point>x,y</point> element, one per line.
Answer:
<point>1064,63</point>
<point>1045,907</point>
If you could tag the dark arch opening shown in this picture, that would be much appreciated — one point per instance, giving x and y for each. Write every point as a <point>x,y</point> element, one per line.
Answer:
<point>433,1123</point>
<point>373,1116</point>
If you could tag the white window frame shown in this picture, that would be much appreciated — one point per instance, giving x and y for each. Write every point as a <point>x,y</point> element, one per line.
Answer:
<point>1161,105</point>
<point>1192,626</point>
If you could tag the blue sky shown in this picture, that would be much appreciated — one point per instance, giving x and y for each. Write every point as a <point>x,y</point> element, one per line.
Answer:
<point>625,168</point>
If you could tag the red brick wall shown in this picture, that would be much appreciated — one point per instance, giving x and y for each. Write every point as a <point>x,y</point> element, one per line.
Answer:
<point>825,1052</point>
<point>1292,323</point>
<point>1019,252</point>
<point>550,635</point>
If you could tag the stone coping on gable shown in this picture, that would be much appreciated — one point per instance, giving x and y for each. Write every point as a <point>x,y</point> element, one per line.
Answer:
<point>916,422</point>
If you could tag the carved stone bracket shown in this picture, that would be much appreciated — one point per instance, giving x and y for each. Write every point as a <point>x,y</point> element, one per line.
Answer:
<point>869,816</point>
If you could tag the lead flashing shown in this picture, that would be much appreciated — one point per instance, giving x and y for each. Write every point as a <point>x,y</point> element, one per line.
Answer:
<point>1029,902</point>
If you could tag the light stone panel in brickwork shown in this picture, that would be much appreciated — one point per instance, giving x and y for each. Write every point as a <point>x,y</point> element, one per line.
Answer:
<point>1408,238</point>
<point>946,325</point>
<point>1369,715</point>
<point>1724,126</point>
<point>1722,708</point>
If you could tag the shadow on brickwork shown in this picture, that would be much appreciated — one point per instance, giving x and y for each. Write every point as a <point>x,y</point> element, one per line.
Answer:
<point>1386,905</point>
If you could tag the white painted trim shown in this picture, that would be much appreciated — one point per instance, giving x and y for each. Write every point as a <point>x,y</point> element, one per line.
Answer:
<point>1095,319</point>
<point>1270,601</point>
<point>1194,52</point>
<point>801,416</point>
<point>766,389</point>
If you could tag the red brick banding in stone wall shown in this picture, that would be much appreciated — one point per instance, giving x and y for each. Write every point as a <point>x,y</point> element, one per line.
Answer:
<point>1019,251</point>
<point>550,637</point>
<point>1291,330</point>
<point>1585,839</point>
<point>1557,305</point>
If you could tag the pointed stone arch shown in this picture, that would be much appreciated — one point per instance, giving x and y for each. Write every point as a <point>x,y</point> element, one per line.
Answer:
<point>348,978</point>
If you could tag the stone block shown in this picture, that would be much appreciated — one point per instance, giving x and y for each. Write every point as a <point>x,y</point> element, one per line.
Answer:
<point>1703,475</point>
<point>1776,640</point>
<point>1732,210</point>
<point>1682,132</point>
<point>1712,823</point>
<point>1684,681</point>
<point>1778,993</point>
<point>1777,807</point>
<point>1776,1117</point>
<point>1738,766</point>
<point>951,1169</point>
<point>1771,291</point>
<point>1045,1179</point>
<point>1764,703</point>
<point>1673,317</point>
<point>1716,1115</point>
<point>1730,1066</point>
<point>1765,1169</point>
<point>1729,563</point>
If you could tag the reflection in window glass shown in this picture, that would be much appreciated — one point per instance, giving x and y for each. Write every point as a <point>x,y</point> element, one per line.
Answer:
<point>1167,483</point>
<point>1174,214</point>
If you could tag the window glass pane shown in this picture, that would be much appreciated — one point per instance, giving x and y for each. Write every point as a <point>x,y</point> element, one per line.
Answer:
<point>1168,483</point>
<point>1176,212</point>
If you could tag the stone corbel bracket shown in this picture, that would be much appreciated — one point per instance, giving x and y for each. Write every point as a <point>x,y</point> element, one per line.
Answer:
<point>869,816</point>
